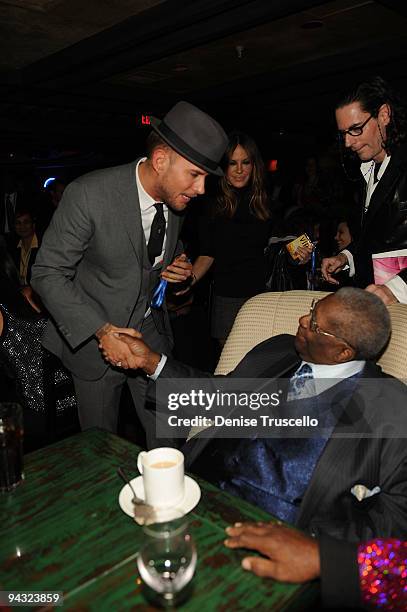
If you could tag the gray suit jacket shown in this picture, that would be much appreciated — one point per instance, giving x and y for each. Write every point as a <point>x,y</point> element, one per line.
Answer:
<point>89,269</point>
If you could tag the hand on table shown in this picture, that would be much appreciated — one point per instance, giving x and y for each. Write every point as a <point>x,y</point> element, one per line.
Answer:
<point>290,555</point>
<point>384,293</point>
<point>331,265</point>
<point>111,344</point>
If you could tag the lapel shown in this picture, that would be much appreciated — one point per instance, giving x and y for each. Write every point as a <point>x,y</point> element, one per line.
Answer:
<point>130,208</point>
<point>284,368</point>
<point>174,220</point>
<point>343,448</point>
<point>131,216</point>
<point>385,187</point>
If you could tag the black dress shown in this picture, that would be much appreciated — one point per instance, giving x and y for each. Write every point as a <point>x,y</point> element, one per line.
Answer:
<point>237,244</point>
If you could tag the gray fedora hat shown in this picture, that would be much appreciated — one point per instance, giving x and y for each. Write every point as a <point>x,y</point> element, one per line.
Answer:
<point>194,135</point>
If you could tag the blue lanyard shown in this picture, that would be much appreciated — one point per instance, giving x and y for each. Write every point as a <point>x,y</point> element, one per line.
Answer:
<point>159,294</point>
<point>313,261</point>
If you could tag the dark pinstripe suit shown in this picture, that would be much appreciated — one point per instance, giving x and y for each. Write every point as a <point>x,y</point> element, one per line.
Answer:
<point>378,408</point>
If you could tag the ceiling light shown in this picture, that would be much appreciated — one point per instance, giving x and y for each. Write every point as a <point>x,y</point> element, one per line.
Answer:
<point>49,180</point>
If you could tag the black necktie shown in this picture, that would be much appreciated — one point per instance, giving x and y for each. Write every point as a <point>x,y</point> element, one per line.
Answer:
<point>376,172</point>
<point>157,233</point>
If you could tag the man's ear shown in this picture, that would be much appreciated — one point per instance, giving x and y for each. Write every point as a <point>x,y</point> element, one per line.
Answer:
<point>384,114</point>
<point>160,159</point>
<point>345,353</point>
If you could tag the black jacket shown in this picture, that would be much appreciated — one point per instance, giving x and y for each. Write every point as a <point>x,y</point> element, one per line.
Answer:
<point>376,458</point>
<point>384,226</point>
<point>339,573</point>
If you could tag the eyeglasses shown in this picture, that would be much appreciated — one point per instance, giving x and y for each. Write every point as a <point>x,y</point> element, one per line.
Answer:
<point>354,130</point>
<point>314,327</point>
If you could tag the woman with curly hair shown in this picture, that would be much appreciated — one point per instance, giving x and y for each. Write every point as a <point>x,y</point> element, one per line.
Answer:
<point>235,233</point>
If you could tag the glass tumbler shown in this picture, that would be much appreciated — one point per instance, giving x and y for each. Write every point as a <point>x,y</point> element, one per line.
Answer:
<point>167,561</point>
<point>11,446</point>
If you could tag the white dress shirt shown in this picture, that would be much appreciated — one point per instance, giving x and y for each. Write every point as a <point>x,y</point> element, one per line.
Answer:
<point>148,211</point>
<point>327,376</point>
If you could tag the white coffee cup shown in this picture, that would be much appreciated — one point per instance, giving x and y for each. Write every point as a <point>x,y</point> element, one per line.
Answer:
<point>163,476</point>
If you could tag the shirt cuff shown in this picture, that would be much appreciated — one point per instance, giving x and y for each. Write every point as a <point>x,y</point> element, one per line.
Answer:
<point>351,263</point>
<point>159,367</point>
<point>398,288</point>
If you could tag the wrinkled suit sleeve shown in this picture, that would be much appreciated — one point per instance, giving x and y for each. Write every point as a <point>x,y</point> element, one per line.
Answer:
<point>63,247</point>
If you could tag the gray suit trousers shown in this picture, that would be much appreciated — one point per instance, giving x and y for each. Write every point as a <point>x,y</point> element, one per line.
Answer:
<point>99,400</point>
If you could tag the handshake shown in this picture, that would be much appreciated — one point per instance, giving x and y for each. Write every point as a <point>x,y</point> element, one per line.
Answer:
<point>123,347</point>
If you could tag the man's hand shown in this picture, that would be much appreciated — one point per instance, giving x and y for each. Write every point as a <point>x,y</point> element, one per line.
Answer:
<point>384,293</point>
<point>331,265</point>
<point>291,555</point>
<point>113,349</point>
<point>141,355</point>
<point>178,271</point>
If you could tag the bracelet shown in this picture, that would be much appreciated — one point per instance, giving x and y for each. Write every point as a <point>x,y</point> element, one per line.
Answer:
<point>194,278</point>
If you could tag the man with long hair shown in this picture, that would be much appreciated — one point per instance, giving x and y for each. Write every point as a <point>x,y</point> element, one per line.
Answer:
<point>371,123</point>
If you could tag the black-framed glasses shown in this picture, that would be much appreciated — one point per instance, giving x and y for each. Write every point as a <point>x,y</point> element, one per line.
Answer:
<point>354,130</point>
<point>314,327</point>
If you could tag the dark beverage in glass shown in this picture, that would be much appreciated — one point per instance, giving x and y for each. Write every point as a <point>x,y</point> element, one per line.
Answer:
<point>11,446</point>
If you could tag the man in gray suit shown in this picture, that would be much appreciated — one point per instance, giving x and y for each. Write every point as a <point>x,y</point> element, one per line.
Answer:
<point>114,234</point>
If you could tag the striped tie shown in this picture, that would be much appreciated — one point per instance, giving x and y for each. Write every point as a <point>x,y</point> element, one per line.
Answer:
<point>301,383</point>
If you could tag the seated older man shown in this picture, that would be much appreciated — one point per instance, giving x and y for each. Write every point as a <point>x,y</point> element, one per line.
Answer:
<point>350,482</point>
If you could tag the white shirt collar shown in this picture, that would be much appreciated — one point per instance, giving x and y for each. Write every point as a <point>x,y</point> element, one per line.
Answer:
<point>327,376</point>
<point>340,370</point>
<point>366,168</point>
<point>146,201</point>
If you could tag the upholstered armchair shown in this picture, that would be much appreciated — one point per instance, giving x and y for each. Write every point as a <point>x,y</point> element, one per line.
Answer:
<point>273,313</point>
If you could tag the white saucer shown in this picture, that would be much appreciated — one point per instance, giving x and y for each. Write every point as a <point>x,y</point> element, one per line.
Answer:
<point>191,497</point>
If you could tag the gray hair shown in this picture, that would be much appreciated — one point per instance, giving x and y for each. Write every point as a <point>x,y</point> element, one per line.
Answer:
<point>363,320</point>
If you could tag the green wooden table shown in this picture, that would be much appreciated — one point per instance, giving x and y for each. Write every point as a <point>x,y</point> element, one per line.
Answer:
<point>63,530</point>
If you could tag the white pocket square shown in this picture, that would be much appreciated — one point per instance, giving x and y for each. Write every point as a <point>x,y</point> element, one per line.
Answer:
<point>361,492</point>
